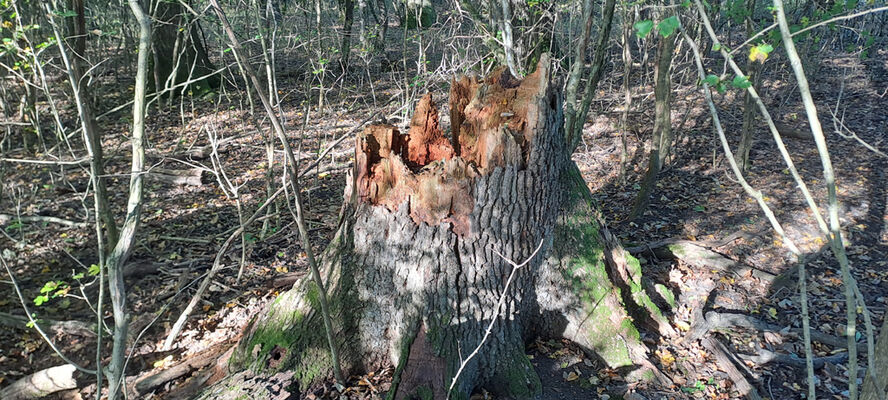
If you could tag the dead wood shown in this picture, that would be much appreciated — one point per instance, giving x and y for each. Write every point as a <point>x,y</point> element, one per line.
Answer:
<point>724,362</point>
<point>698,255</point>
<point>188,177</point>
<point>41,383</point>
<point>715,320</point>
<point>148,383</point>
<point>764,356</point>
<point>7,218</point>
<point>77,328</point>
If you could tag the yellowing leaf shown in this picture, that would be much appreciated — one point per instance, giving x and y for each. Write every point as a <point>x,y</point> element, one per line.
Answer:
<point>666,357</point>
<point>772,312</point>
<point>164,362</point>
<point>572,376</point>
<point>682,325</point>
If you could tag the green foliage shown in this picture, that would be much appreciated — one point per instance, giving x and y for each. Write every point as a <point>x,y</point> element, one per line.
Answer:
<point>668,26</point>
<point>643,28</point>
<point>711,80</point>
<point>51,290</point>
<point>741,82</point>
<point>737,11</point>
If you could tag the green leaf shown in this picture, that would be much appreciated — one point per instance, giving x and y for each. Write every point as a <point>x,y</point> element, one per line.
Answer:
<point>716,47</point>
<point>39,300</point>
<point>93,270</point>
<point>78,276</point>
<point>741,82</point>
<point>643,28</point>
<point>49,286</point>
<point>721,87</point>
<point>668,26</point>
<point>711,80</point>
<point>699,208</point>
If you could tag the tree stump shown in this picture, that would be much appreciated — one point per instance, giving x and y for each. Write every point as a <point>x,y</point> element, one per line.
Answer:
<point>412,273</point>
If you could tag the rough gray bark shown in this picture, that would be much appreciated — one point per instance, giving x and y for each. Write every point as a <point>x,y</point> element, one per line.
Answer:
<point>874,387</point>
<point>179,50</point>
<point>412,275</point>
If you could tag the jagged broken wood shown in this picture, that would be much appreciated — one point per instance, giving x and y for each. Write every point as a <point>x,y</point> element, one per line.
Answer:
<point>411,273</point>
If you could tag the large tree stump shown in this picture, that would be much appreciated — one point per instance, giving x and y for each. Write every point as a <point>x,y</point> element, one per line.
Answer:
<point>412,273</point>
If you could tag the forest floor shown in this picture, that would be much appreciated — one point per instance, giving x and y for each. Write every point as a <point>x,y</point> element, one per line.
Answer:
<point>696,199</point>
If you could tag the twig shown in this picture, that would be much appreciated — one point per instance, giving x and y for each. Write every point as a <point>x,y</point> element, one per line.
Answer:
<point>6,218</point>
<point>766,356</point>
<point>36,323</point>
<point>755,194</point>
<point>499,305</point>
<point>724,361</point>
<point>835,234</point>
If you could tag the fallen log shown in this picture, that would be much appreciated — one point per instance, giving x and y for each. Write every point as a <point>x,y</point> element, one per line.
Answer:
<point>188,177</point>
<point>77,328</point>
<point>764,356</point>
<point>41,383</point>
<point>698,255</point>
<point>7,218</point>
<point>148,383</point>
<point>715,320</point>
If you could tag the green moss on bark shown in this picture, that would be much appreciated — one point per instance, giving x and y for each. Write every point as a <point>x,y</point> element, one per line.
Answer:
<point>516,378</point>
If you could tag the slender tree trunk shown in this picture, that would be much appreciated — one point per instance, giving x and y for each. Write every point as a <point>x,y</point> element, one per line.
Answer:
<point>748,130</point>
<point>124,246</point>
<point>873,387</point>
<point>91,135</point>
<point>576,109</point>
<point>662,135</point>
<point>348,19</point>
<point>414,274</point>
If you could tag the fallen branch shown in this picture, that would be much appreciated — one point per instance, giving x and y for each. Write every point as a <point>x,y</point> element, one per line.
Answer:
<point>77,328</point>
<point>724,362</point>
<point>766,356</point>
<point>189,177</point>
<point>698,255</point>
<point>41,383</point>
<point>7,218</point>
<point>148,383</point>
<point>716,320</point>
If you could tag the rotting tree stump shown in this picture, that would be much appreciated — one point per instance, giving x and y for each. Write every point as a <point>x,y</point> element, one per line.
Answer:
<point>412,274</point>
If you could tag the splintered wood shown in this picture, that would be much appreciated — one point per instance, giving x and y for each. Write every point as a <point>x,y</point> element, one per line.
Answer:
<point>492,126</point>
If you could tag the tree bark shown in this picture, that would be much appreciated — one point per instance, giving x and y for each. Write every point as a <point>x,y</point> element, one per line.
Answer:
<point>662,136</point>
<point>179,50</point>
<point>873,387</point>
<point>413,275</point>
<point>748,130</point>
